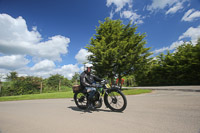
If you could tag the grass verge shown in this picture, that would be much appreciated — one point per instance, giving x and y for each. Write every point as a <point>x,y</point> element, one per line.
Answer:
<point>135,91</point>
<point>68,94</point>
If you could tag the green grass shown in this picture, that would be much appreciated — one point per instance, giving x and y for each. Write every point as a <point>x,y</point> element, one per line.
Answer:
<point>68,94</point>
<point>135,91</point>
<point>54,95</point>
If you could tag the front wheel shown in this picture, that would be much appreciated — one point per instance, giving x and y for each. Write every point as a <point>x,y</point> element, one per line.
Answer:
<point>80,100</point>
<point>115,100</point>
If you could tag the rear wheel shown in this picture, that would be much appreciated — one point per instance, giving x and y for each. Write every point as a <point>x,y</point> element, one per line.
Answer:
<point>115,100</point>
<point>80,100</point>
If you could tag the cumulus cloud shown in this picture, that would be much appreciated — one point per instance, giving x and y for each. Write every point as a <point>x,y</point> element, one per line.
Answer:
<point>13,62</point>
<point>51,49</point>
<point>15,38</point>
<point>192,33</point>
<point>191,15</point>
<point>82,56</point>
<point>46,68</point>
<point>45,65</point>
<point>19,45</point>
<point>68,70</point>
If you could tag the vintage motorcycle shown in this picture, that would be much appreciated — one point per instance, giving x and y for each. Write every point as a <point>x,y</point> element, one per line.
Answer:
<point>113,97</point>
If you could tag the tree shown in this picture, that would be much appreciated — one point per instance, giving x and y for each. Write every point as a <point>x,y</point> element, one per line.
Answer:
<point>12,76</point>
<point>76,78</point>
<point>178,68</point>
<point>117,50</point>
<point>54,81</point>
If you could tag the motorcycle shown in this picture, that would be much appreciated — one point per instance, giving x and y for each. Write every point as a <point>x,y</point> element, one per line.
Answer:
<point>113,97</point>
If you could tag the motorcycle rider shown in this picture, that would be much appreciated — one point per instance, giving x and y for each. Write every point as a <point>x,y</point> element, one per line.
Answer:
<point>87,81</point>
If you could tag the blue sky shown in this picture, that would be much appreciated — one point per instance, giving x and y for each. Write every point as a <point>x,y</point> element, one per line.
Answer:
<point>43,37</point>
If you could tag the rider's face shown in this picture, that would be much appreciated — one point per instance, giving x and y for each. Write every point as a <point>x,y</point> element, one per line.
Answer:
<point>89,69</point>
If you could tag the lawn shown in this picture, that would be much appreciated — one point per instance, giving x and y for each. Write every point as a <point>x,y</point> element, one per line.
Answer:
<point>68,94</point>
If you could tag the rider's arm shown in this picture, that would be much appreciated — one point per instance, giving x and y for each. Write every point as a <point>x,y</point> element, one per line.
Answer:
<point>97,78</point>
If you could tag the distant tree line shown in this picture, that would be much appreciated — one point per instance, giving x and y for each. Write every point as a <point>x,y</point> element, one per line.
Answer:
<point>178,68</point>
<point>181,67</point>
<point>15,85</point>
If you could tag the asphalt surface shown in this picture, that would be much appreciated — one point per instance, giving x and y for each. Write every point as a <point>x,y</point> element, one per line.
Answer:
<point>156,112</point>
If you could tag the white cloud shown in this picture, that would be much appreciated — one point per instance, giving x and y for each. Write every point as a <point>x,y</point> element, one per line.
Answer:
<point>45,65</point>
<point>15,38</point>
<point>68,70</point>
<point>160,50</point>
<point>125,12</point>
<point>160,4</point>
<point>51,49</point>
<point>176,44</point>
<point>191,15</point>
<point>17,29</point>
<point>119,4</point>
<point>172,5</point>
<point>13,62</point>
<point>192,33</point>
<point>175,8</point>
<point>111,14</point>
<point>82,55</point>
<point>133,16</point>
<point>18,42</point>
<point>47,68</point>
<point>173,46</point>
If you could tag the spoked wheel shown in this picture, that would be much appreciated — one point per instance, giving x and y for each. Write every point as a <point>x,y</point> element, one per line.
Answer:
<point>115,100</point>
<point>80,100</point>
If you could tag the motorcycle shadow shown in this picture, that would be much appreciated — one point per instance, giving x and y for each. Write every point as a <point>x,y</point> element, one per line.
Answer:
<point>75,108</point>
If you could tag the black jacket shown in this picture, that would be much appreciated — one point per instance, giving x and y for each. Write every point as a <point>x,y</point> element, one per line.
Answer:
<point>86,80</point>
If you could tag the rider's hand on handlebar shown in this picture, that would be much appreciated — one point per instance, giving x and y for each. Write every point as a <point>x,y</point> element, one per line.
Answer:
<point>94,86</point>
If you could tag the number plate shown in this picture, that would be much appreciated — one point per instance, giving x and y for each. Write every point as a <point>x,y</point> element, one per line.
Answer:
<point>107,86</point>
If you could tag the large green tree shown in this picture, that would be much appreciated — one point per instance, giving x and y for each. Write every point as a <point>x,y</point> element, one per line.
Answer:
<point>117,50</point>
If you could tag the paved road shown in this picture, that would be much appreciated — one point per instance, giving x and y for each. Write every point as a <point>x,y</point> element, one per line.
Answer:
<point>157,112</point>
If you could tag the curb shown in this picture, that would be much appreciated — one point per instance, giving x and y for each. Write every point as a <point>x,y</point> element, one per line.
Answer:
<point>165,89</point>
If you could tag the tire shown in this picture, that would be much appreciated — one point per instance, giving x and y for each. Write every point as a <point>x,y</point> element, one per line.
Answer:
<point>115,100</point>
<point>80,100</point>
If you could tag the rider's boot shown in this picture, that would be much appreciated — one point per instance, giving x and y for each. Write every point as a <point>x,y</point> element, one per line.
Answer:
<point>90,105</point>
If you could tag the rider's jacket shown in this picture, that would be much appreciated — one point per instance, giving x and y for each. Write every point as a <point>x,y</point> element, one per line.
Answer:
<point>86,79</point>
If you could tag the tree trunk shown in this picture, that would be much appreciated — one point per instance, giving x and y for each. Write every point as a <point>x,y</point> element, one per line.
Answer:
<point>41,87</point>
<point>59,85</point>
<point>0,88</point>
<point>119,81</point>
<point>111,77</point>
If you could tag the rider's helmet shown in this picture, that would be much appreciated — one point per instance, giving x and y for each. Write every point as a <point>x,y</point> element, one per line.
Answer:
<point>88,67</point>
